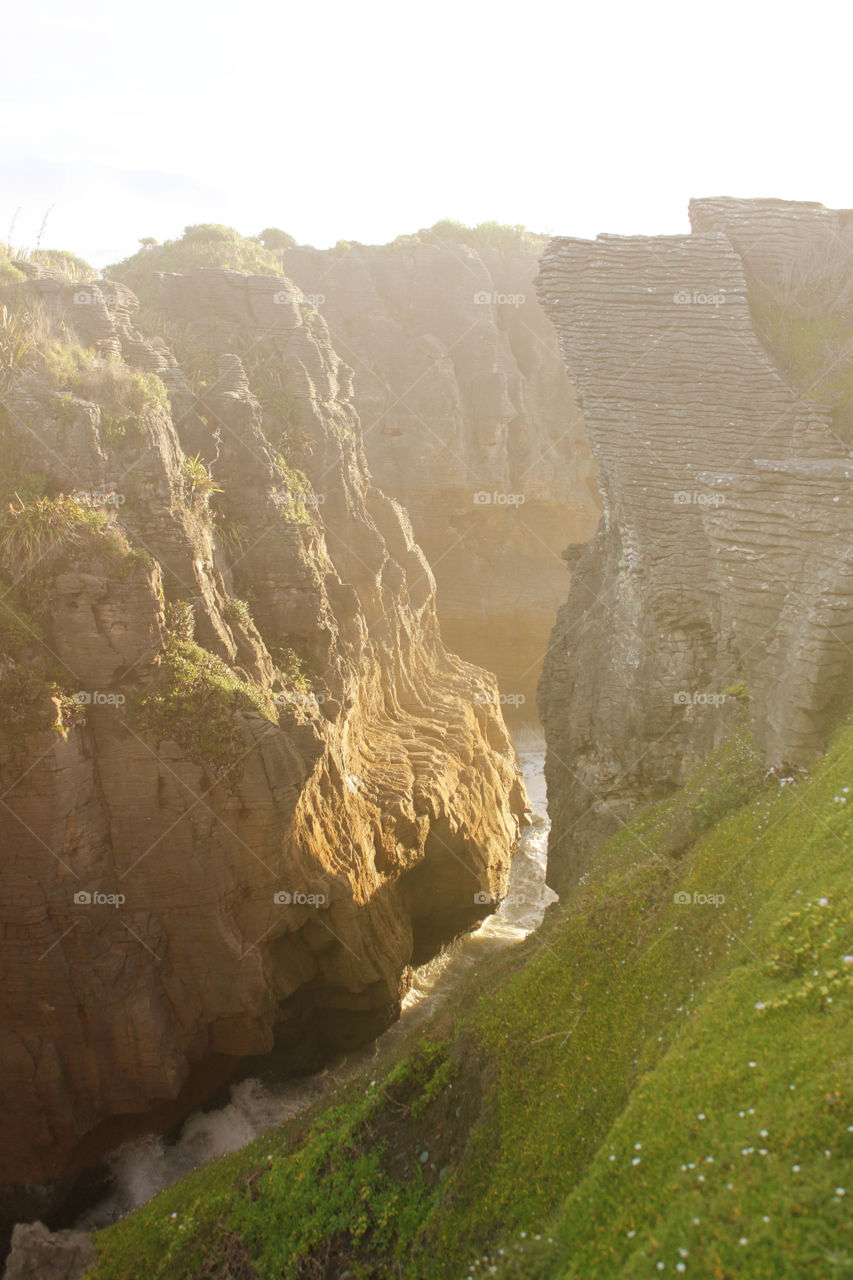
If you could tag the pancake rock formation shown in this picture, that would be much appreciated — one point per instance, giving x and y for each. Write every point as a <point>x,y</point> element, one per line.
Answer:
<point>471,422</point>
<point>244,783</point>
<point>722,568</point>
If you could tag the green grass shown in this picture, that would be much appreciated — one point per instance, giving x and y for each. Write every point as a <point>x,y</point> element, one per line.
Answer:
<point>204,245</point>
<point>122,394</point>
<point>596,1088</point>
<point>196,702</point>
<point>37,530</point>
<point>485,235</point>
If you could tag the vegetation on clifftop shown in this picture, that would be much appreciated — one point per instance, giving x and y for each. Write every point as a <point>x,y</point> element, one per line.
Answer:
<point>208,244</point>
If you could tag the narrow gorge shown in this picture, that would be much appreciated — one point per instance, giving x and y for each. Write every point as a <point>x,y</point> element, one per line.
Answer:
<point>293,541</point>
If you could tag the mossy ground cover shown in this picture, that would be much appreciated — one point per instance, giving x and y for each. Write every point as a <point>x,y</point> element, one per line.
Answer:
<point>196,702</point>
<point>658,1082</point>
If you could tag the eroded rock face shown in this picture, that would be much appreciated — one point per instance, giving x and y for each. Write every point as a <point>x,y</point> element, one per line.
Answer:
<point>723,553</point>
<point>38,1254</point>
<point>225,857</point>
<point>471,422</point>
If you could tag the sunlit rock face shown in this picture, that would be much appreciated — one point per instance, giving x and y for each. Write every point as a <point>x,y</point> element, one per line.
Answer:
<point>722,564</point>
<point>322,793</point>
<point>471,422</point>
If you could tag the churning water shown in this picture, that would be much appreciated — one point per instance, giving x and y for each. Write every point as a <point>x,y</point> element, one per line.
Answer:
<point>142,1168</point>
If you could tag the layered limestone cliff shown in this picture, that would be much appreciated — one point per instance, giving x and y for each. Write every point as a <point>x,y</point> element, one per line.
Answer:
<point>471,422</point>
<point>244,784</point>
<point>721,570</point>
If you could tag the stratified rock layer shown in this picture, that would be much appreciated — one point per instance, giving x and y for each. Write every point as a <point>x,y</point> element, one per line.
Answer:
<point>722,553</point>
<point>471,422</point>
<point>273,895</point>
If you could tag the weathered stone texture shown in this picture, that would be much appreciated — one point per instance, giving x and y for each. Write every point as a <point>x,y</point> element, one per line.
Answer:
<point>723,548</point>
<point>393,791</point>
<point>470,421</point>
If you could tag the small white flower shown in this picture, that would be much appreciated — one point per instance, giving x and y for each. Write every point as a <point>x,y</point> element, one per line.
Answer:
<point>839,1191</point>
<point>636,1160</point>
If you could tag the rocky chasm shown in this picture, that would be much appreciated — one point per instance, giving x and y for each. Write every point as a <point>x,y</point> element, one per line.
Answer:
<point>471,422</point>
<point>245,784</point>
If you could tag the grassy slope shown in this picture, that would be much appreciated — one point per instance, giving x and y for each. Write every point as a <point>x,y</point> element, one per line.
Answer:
<point>604,1086</point>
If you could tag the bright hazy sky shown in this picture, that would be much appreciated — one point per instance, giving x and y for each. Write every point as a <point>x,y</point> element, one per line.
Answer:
<point>367,119</point>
